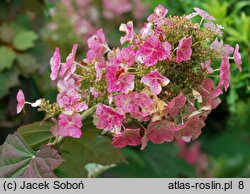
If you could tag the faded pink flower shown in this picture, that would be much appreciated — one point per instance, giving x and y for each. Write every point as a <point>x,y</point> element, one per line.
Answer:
<point>190,154</point>
<point>160,131</point>
<point>146,31</point>
<point>70,100</point>
<point>133,102</point>
<point>193,155</point>
<point>175,105</point>
<point>107,118</point>
<point>126,103</point>
<point>141,116</point>
<point>126,56</point>
<point>155,81</point>
<point>159,13</point>
<point>191,129</point>
<point>210,94</point>
<point>55,63</point>
<point>73,82</point>
<point>69,67</point>
<point>97,46</point>
<point>144,101</point>
<point>204,14</point>
<point>138,105</point>
<point>70,125</point>
<point>20,101</point>
<point>129,30</point>
<point>214,27</point>
<point>224,73</point>
<point>227,50</point>
<point>184,50</point>
<point>237,57</point>
<point>127,137</point>
<point>207,65</point>
<point>216,45</point>
<point>153,50</point>
<point>118,80</point>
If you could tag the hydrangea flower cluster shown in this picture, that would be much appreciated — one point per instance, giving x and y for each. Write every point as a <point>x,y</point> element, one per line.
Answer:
<point>156,87</point>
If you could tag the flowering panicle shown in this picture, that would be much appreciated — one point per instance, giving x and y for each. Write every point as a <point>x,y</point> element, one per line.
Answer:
<point>156,88</point>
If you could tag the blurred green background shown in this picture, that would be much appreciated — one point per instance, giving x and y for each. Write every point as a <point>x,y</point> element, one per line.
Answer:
<point>29,31</point>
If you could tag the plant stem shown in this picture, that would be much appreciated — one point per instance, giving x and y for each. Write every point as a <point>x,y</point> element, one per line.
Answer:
<point>88,112</point>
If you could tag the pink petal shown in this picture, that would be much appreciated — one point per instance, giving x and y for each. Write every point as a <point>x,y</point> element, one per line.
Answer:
<point>70,125</point>
<point>99,67</point>
<point>107,118</point>
<point>68,68</point>
<point>207,65</point>
<point>155,81</point>
<point>127,103</point>
<point>129,30</point>
<point>184,50</point>
<point>71,101</point>
<point>160,131</point>
<point>237,57</point>
<point>224,73</point>
<point>20,101</point>
<point>216,45</point>
<point>227,50</point>
<point>141,116</point>
<point>153,50</point>
<point>126,57</point>
<point>129,137</point>
<point>214,27</point>
<point>191,129</point>
<point>210,94</point>
<point>159,13</point>
<point>204,14</point>
<point>175,105</point>
<point>118,80</point>
<point>79,107</point>
<point>96,45</point>
<point>55,62</point>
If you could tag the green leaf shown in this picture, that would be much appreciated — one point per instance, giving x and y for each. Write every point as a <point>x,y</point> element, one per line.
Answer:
<point>7,57</point>
<point>231,167</point>
<point>6,33</point>
<point>219,145</point>
<point>8,79</point>
<point>36,134</point>
<point>27,64</point>
<point>158,161</point>
<point>25,40</point>
<point>90,148</point>
<point>19,160</point>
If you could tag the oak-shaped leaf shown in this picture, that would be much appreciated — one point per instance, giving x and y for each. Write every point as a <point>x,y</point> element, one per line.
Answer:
<point>19,160</point>
<point>36,134</point>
